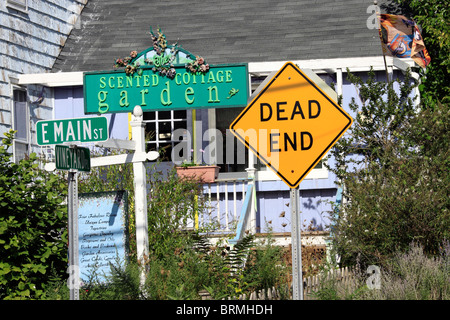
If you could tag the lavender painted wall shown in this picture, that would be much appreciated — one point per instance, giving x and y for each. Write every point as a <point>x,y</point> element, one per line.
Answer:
<point>69,103</point>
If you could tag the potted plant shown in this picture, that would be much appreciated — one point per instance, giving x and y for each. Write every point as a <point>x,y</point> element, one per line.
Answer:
<point>202,172</point>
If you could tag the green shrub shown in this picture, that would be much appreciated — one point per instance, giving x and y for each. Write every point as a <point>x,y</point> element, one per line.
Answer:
<point>181,261</point>
<point>33,220</point>
<point>393,167</point>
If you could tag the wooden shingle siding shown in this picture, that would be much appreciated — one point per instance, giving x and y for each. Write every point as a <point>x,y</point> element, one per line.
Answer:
<point>30,41</point>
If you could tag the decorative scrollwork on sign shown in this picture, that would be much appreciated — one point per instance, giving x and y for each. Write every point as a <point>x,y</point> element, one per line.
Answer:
<point>162,61</point>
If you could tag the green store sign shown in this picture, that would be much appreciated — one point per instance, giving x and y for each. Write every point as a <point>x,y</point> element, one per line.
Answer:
<point>116,91</point>
<point>165,77</point>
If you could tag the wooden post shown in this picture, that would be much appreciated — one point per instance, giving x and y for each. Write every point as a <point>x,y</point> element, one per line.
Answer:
<point>140,185</point>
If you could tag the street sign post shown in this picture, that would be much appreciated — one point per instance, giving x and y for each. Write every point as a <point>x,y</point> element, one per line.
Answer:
<point>290,124</point>
<point>77,158</point>
<point>71,130</point>
<point>72,210</point>
<point>73,158</point>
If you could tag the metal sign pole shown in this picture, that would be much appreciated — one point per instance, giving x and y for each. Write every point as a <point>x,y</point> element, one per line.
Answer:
<point>74,276</point>
<point>297,278</point>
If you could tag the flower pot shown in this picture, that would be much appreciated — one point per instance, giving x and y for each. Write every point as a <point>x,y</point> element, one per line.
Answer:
<point>205,174</point>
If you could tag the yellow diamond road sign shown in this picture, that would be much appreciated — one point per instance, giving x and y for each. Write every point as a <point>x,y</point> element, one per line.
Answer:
<point>291,124</point>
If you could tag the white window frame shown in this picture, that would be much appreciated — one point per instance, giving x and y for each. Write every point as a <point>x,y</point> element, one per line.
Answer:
<point>161,138</point>
<point>18,140</point>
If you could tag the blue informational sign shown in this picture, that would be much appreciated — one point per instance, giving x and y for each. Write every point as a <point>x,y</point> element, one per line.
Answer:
<point>102,232</point>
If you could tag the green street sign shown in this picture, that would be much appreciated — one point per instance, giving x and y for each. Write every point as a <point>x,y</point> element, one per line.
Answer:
<point>115,91</point>
<point>77,158</point>
<point>72,130</point>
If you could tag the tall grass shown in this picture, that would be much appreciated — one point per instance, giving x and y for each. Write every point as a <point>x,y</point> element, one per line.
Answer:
<point>414,276</point>
<point>410,275</point>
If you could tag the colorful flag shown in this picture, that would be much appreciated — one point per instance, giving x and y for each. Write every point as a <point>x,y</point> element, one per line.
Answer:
<point>401,38</point>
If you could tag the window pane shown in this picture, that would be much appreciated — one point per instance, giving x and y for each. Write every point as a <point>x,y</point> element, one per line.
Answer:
<point>164,114</point>
<point>20,96</point>
<point>164,127</point>
<point>159,128</point>
<point>179,114</point>
<point>165,150</point>
<point>150,131</point>
<point>319,165</point>
<point>149,115</point>
<point>179,125</point>
<point>21,150</point>
<point>235,155</point>
<point>151,147</point>
<point>20,120</point>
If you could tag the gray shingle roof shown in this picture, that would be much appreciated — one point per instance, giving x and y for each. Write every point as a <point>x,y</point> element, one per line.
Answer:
<point>221,31</point>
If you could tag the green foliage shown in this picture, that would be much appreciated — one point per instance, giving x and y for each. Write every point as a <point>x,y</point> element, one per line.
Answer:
<point>181,260</point>
<point>394,169</point>
<point>179,275</point>
<point>226,267</point>
<point>182,274</point>
<point>173,204</point>
<point>378,122</point>
<point>433,16</point>
<point>265,268</point>
<point>33,220</point>
<point>123,284</point>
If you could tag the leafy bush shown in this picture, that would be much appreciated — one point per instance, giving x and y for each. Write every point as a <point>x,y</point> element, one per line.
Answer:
<point>433,16</point>
<point>222,271</point>
<point>393,167</point>
<point>173,204</point>
<point>181,260</point>
<point>33,220</point>
<point>265,268</point>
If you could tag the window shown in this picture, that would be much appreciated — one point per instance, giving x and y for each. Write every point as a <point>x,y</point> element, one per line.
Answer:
<point>159,126</point>
<point>20,124</point>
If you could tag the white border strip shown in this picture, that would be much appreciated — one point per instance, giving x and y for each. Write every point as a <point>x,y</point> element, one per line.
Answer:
<point>62,79</point>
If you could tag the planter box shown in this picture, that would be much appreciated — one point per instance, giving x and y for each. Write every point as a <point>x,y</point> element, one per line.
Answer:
<point>205,174</point>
